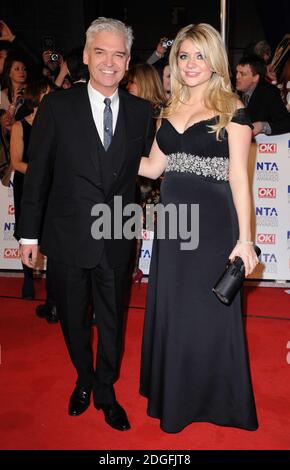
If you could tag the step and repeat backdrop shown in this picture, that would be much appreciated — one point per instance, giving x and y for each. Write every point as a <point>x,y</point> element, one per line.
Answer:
<point>9,253</point>
<point>270,180</point>
<point>270,177</point>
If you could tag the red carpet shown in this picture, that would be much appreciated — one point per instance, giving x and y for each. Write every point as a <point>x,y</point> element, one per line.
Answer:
<point>267,301</point>
<point>37,379</point>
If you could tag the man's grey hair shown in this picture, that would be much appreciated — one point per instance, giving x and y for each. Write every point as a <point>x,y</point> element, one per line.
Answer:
<point>110,24</point>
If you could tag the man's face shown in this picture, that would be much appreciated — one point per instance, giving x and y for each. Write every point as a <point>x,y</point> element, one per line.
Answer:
<point>245,78</point>
<point>107,61</point>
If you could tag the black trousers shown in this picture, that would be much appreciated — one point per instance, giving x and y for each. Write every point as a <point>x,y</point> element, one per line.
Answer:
<point>75,288</point>
<point>49,285</point>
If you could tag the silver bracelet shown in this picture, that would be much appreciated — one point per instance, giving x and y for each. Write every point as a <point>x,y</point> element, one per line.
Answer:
<point>245,242</point>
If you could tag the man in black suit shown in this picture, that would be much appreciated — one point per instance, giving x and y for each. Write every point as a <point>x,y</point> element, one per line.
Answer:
<point>262,100</point>
<point>85,149</point>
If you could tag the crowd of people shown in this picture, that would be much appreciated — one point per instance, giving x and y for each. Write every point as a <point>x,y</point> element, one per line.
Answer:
<point>87,121</point>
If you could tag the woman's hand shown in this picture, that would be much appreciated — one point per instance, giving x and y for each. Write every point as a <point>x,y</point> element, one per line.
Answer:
<point>248,255</point>
<point>18,94</point>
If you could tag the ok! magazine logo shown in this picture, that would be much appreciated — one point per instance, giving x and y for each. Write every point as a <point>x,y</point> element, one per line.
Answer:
<point>11,209</point>
<point>11,253</point>
<point>266,238</point>
<point>269,193</point>
<point>267,148</point>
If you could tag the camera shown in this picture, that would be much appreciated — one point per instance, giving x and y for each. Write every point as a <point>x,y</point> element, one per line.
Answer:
<point>54,57</point>
<point>167,43</point>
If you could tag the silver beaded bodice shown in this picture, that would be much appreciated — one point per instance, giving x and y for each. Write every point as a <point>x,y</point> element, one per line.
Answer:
<point>215,167</point>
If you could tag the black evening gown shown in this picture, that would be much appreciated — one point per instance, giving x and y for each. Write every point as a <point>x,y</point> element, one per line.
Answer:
<point>194,364</point>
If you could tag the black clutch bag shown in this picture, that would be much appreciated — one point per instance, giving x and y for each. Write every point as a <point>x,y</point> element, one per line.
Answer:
<point>231,280</point>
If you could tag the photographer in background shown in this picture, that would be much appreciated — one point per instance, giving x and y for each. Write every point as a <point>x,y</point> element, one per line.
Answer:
<point>160,51</point>
<point>159,59</point>
<point>52,64</point>
<point>72,68</point>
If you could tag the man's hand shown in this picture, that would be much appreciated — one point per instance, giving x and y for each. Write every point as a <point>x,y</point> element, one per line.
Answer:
<point>29,255</point>
<point>160,49</point>
<point>6,33</point>
<point>258,128</point>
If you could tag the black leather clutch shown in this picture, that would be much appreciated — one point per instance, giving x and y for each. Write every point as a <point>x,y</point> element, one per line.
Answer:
<point>231,280</point>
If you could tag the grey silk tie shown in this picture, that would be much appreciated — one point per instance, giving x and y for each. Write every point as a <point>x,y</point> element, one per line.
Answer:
<point>108,123</point>
<point>246,98</point>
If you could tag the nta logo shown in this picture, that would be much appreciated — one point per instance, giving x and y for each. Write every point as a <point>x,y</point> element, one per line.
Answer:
<point>267,211</point>
<point>268,258</point>
<point>267,166</point>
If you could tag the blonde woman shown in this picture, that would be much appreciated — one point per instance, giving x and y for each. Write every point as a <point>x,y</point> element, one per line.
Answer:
<point>194,358</point>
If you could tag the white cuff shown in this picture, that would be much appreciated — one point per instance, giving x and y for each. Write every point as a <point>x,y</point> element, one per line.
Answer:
<point>28,241</point>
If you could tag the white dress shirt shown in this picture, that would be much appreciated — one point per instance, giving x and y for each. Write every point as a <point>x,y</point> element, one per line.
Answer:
<point>98,106</point>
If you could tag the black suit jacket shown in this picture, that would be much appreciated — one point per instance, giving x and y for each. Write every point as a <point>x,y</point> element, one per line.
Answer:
<point>69,172</point>
<point>266,105</point>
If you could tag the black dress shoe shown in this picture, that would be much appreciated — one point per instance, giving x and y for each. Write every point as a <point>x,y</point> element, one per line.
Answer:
<point>43,310</point>
<point>79,401</point>
<point>52,316</point>
<point>115,416</point>
<point>47,311</point>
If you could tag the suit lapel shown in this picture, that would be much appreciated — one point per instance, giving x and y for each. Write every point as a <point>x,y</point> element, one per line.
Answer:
<point>88,128</point>
<point>125,131</point>
<point>108,164</point>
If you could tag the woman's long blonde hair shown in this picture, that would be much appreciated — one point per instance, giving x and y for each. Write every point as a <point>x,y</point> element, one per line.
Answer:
<point>219,96</point>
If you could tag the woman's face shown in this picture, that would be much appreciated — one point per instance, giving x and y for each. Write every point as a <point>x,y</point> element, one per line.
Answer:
<point>166,79</point>
<point>132,86</point>
<point>18,74</point>
<point>193,67</point>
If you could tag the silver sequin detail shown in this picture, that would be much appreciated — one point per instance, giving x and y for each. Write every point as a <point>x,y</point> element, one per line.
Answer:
<point>215,167</point>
